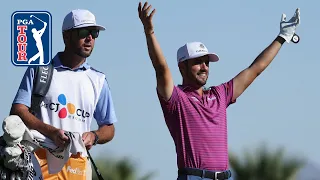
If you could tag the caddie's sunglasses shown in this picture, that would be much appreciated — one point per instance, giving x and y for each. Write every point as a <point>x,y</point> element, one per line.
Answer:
<point>83,33</point>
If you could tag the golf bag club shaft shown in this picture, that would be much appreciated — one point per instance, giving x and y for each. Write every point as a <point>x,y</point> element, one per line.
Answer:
<point>95,167</point>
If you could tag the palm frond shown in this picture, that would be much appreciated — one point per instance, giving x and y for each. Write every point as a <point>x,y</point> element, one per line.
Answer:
<point>264,164</point>
<point>120,169</point>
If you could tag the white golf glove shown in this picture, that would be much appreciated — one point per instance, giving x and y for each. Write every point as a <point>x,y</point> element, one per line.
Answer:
<point>288,28</point>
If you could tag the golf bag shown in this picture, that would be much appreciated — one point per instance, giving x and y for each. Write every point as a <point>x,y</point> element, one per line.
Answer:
<point>12,165</point>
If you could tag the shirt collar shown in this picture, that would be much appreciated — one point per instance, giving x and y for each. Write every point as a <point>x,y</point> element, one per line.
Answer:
<point>187,88</point>
<point>57,64</point>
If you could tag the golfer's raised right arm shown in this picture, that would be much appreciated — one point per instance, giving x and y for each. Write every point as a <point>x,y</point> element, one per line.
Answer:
<point>163,74</point>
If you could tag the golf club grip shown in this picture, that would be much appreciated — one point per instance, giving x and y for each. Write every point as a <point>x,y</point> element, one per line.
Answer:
<point>95,167</point>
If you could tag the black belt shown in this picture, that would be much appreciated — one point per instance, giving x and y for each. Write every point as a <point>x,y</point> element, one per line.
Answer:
<point>205,173</point>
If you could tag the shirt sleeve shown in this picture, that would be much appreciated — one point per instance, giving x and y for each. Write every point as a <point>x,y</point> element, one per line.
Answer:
<point>171,104</point>
<point>105,111</point>
<point>23,95</point>
<point>225,91</point>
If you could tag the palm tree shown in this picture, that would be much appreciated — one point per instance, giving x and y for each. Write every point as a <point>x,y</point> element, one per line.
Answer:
<point>265,165</point>
<point>119,169</point>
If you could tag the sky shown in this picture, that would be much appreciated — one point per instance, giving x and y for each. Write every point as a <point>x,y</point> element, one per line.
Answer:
<point>279,108</point>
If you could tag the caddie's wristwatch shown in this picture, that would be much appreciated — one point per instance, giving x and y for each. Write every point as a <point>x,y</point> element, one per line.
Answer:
<point>96,139</point>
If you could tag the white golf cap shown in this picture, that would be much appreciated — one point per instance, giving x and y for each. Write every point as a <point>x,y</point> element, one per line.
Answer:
<point>80,18</point>
<point>194,50</point>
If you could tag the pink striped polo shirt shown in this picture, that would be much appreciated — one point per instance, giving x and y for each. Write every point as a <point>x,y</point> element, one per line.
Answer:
<point>198,125</point>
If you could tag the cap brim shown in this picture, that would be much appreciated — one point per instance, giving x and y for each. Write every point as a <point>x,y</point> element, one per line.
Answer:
<point>101,28</point>
<point>212,56</point>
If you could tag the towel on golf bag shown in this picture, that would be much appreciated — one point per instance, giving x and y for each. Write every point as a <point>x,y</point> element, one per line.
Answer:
<point>22,142</point>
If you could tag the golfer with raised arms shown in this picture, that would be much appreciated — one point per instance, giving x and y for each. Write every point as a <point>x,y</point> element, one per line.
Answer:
<point>196,116</point>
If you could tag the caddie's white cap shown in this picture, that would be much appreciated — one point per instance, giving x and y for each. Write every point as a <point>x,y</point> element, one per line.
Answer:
<point>194,50</point>
<point>79,18</point>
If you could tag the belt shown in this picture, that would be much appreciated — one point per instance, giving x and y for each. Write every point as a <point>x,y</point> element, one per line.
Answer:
<point>205,173</point>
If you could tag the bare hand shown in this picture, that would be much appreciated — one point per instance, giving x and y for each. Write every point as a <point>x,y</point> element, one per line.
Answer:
<point>59,138</point>
<point>145,18</point>
<point>88,139</point>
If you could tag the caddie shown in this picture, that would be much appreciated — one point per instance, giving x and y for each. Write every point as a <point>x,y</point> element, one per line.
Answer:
<point>78,94</point>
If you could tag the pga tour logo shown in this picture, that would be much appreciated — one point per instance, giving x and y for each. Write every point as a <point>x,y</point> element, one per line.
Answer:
<point>31,38</point>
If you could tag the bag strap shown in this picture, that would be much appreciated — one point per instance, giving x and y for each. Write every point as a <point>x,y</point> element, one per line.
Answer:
<point>41,84</point>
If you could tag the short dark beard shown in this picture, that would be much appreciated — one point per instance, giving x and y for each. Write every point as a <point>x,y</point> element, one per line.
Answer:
<point>81,53</point>
<point>190,76</point>
<point>78,51</point>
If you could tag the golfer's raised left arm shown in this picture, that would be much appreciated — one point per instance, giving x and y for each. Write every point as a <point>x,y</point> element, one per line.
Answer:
<point>247,76</point>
